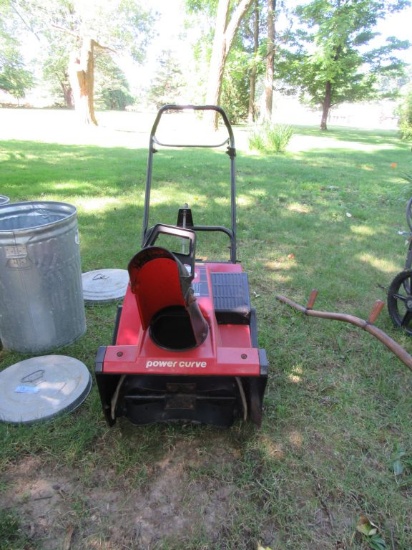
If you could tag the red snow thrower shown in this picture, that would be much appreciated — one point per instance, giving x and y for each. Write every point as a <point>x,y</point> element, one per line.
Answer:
<point>185,344</point>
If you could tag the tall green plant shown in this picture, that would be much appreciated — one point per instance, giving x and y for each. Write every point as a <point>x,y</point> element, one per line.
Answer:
<point>271,138</point>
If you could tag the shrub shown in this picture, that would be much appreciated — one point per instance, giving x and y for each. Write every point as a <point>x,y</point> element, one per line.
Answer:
<point>405,118</point>
<point>270,138</point>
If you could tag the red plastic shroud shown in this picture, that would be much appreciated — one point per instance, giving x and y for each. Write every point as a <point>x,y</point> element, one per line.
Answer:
<point>227,350</point>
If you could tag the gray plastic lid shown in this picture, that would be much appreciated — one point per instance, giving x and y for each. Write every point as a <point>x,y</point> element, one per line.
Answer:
<point>40,388</point>
<point>104,285</point>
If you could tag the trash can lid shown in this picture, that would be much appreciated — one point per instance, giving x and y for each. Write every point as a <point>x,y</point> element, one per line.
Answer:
<point>40,388</point>
<point>104,285</point>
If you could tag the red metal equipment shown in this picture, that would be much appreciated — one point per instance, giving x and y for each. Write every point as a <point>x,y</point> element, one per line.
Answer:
<point>185,346</point>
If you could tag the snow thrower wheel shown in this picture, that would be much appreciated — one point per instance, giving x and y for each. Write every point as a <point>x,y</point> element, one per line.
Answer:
<point>400,301</point>
<point>409,213</point>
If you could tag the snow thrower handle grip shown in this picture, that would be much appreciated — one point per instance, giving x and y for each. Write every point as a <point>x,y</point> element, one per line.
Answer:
<point>229,142</point>
<point>177,108</point>
<point>376,310</point>
<point>190,107</point>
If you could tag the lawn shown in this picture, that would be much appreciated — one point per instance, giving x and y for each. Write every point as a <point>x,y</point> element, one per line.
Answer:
<point>335,445</point>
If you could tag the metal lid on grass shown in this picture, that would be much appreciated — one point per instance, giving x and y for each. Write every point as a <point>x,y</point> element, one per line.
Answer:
<point>104,285</point>
<point>41,388</point>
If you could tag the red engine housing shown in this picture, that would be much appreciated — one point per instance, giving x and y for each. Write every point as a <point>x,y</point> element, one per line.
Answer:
<point>195,377</point>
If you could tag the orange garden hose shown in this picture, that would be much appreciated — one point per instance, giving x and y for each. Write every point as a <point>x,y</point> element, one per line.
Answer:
<point>367,325</point>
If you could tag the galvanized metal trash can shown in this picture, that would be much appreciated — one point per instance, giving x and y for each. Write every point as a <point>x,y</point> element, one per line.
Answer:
<point>41,295</point>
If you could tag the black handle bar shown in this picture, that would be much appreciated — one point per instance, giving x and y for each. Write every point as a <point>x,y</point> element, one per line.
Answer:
<point>217,109</point>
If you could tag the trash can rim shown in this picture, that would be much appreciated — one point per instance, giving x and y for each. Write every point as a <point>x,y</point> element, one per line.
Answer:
<point>66,211</point>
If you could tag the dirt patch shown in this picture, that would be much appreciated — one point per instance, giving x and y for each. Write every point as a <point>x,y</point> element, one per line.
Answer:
<point>58,510</point>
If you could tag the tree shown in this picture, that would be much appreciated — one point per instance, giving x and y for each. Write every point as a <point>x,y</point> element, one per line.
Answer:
<point>256,39</point>
<point>14,77</point>
<point>236,92</point>
<point>331,62</point>
<point>405,115</point>
<point>244,65</point>
<point>229,14</point>
<point>254,67</point>
<point>270,57</point>
<point>55,71</point>
<point>226,18</point>
<point>169,82</point>
<point>237,64</point>
<point>112,87</point>
<point>86,28</point>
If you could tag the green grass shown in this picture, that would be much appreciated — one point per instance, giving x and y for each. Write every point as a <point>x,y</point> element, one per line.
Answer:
<point>325,215</point>
<point>12,536</point>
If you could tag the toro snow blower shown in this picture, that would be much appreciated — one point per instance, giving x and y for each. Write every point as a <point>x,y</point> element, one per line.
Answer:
<point>185,344</point>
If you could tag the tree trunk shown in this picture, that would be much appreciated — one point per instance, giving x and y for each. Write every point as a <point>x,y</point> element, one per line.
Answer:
<point>225,31</point>
<point>270,56</point>
<point>217,61</point>
<point>81,72</point>
<point>326,106</point>
<point>253,72</point>
<point>67,94</point>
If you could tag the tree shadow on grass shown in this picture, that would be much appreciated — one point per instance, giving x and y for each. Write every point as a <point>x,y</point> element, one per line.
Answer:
<point>355,135</point>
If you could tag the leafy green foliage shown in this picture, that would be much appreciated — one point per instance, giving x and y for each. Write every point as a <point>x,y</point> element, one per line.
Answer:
<point>376,542</point>
<point>117,27</point>
<point>235,89</point>
<point>111,86</point>
<point>405,116</point>
<point>169,83</point>
<point>246,62</point>
<point>331,59</point>
<point>402,466</point>
<point>14,77</point>
<point>371,533</point>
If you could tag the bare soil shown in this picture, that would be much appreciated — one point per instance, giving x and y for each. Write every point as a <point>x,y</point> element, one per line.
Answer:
<point>58,510</point>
